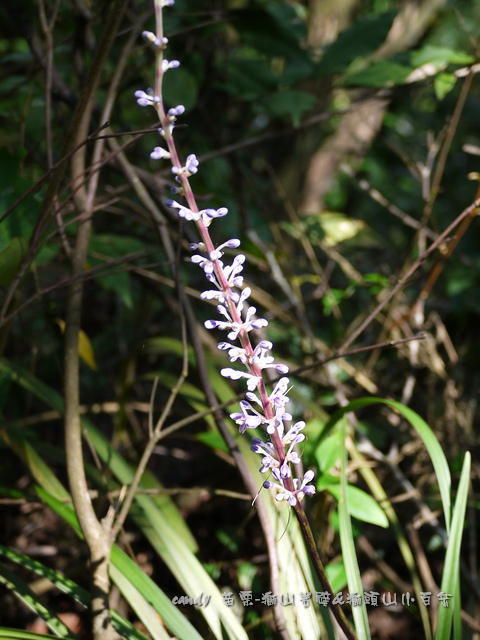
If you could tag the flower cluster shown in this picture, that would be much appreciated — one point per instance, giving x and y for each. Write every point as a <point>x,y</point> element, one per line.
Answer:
<point>260,409</point>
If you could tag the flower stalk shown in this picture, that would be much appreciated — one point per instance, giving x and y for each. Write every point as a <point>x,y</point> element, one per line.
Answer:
<point>261,409</point>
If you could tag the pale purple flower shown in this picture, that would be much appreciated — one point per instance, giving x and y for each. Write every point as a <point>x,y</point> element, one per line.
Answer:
<point>293,435</point>
<point>169,64</point>
<point>300,489</point>
<point>265,361</point>
<point>170,127</point>
<point>174,112</point>
<point>275,423</point>
<point>191,167</point>
<point>146,99</point>
<point>279,397</point>
<point>215,213</point>
<point>293,457</point>
<point>191,164</point>
<point>156,42</point>
<point>239,299</point>
<point>183,212</point>
<point>212,295</point>
<point>305,487</point>
<point>158,153</point>
<point>206,215</point>
<point>234,353</point>
<point>197,246</point>
<point>269,460</point>
<point>217,324</point>
<point>206,264</point>
<point>217,253</point>
<point>247,325</point>
<point>246,420</point>
<point>231,272</point>
<point>284,470</point>
<point>234,374</point>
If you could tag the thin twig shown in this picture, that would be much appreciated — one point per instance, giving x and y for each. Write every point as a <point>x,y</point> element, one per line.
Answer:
<point>380,345</point>
<point>152,442</point>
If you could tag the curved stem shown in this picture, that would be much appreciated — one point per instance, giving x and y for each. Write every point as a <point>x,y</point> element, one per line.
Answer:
<point>97,533</point>
<point>314,555</point>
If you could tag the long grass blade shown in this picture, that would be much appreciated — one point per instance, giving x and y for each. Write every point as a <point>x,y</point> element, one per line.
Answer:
<point>449,583</point>
<point>71,589</point>
<point>348,548</point>
<point>16,634</point>
<point>170,614</point>
<point>23,592</point>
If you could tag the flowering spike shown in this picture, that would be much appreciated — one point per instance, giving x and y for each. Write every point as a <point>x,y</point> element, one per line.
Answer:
<point>260,410</point>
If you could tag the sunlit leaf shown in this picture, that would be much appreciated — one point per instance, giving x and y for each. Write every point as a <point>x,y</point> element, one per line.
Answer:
<point>443,84</point>
<point>85,348</point>
<point>360,505</point>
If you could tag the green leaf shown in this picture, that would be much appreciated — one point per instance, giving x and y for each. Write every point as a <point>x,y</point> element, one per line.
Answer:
<point>61,583</point>
<point>289,102</point>
<point>213,440</point>
<point>181,87</point>
<point>31,383</point>
<point>124,474</point>
<point>384,73</point>
<point>328,452</point>
<point>15,634</point>
<point>442,55</point>
<point>10,260</point>
<point>338,227</point>
<point>443,84</point>
<point>114,246</point>
<point>358,41</point>
<point>426,434</point>
<point>121,469</point>
<point>264,31</point>
<point>249,79</point>
<point>336,575</point>
<point>119,283</point>
<point>361,505</point>
<point>144,610</point>
<point>21,221</point>
<point>36,465</point>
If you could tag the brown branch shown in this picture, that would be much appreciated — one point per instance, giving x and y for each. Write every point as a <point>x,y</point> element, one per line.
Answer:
<point>97,533</point>
<point>353,352</point>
